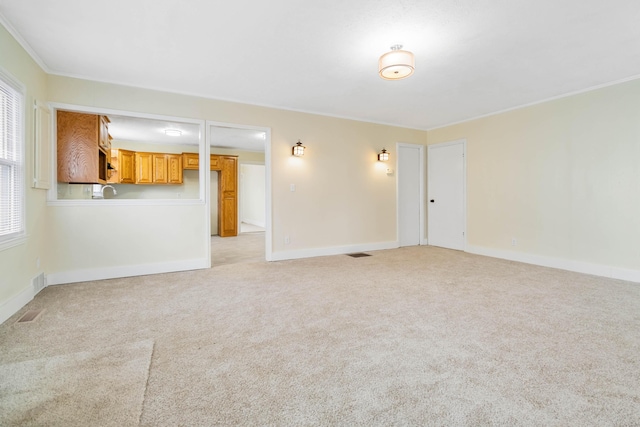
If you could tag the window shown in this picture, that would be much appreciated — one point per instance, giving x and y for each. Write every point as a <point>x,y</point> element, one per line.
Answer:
<point>12,190</point>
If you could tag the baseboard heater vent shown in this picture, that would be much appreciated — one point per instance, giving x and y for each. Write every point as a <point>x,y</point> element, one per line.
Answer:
<point>358,255</point>
<point>39,282</point>
<point>30,316</point>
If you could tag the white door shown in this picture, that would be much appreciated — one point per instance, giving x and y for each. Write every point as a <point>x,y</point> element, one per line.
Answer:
<point>446,194</point>
<point>409,171</point>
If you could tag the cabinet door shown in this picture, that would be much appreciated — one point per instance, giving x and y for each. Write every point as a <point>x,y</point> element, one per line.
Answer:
<point>215,162</point>
<point>160,169</point>
<point>191,161</point>
<point>78,153</point>
<point>174,168</point>
<point>104,141</point>
<point>126,167</point>
<point>144,168</point>
<point>228,197</point>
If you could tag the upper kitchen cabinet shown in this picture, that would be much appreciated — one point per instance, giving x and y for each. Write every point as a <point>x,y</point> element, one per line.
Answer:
<point>83,153</point>
<point>158,168</point>
<point>123,167</point>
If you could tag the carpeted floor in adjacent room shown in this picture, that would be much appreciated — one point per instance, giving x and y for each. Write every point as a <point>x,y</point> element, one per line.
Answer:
<point>410,336</point>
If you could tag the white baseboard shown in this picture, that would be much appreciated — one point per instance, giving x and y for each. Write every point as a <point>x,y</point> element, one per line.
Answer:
<point>13,305</point>
<point>424,242</point>
<point>86,275</point>
<point>333,250</point>
<point>562,264</point>
<point>254,222</point>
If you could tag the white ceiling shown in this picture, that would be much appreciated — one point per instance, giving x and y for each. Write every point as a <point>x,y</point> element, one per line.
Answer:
<point>473,57</point>
<point>134,129</point>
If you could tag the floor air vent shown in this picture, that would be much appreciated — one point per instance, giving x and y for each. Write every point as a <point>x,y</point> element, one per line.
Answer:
<point>358,255</point>
<point>30,316</point>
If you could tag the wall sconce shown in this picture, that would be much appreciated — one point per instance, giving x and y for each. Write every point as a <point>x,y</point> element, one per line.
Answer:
<point>298,149</point>
<point>383,156</point>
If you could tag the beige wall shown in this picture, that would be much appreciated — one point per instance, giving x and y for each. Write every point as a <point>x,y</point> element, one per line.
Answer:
<point>562,177</point>
<point>343,197</point>
<point>18,264</point>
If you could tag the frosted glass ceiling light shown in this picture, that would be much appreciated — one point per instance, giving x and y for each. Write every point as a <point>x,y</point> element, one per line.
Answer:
<point>397,64</point>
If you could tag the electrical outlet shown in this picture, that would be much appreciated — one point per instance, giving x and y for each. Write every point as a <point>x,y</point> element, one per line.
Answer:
<point>292,187</point>
<point>514,242</point>
<point>287,240</point>
<point>38,262</point>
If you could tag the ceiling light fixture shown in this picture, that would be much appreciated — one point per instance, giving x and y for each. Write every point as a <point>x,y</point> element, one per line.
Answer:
<point>397,64</point>
<point>172,132</point>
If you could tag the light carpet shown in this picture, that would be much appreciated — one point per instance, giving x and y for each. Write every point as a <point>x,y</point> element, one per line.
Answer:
<point>411,336</point>
<point>106,386</point>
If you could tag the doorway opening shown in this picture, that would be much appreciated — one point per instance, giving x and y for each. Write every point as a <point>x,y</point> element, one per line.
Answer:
<point>239,192</point>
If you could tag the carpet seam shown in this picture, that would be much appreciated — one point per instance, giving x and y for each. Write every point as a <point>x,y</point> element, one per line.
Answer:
<point>146,384</point>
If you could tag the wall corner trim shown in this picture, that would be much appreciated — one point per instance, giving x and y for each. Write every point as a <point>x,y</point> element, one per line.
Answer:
<point>559,263</point>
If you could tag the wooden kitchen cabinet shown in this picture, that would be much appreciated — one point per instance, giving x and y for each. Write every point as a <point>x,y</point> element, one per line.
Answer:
<point>228,196</point>
<point>190,161</point>
<point>123,163</point>
<point>127,161</point>
<point>214,162</point>
<point>158,168</point>
<point>80,157</point>
<point>174,168</point>
<point>105,139</point>
<point>144,168</point>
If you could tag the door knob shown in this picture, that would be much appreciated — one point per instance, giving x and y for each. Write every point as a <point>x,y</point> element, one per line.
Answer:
<point>432,201</point>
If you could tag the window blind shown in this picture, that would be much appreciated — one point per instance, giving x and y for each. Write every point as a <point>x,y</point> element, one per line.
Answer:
<point>11,160</point>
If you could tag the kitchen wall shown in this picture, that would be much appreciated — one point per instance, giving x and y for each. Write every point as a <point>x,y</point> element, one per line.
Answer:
<point>561,177</point>
<point>19,264</point>
<point>252,194</point>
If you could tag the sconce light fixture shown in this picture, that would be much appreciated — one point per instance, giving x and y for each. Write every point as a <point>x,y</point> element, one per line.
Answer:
<point>298,149</point>
<point>396,64</point>
<point>383,156</point>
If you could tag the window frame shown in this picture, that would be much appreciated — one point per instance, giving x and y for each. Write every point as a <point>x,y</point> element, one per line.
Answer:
<point>20,236</point>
